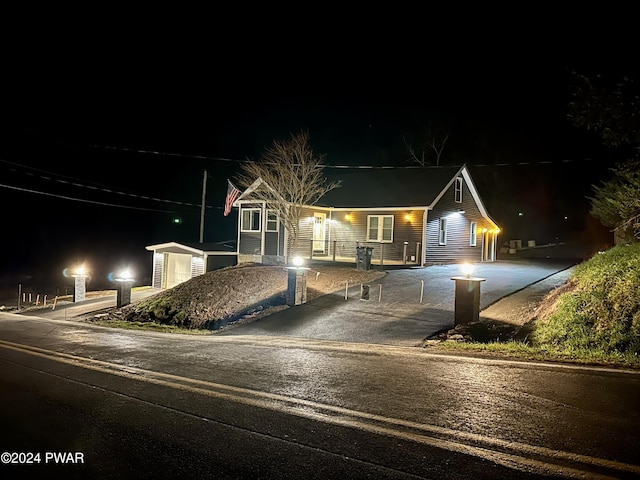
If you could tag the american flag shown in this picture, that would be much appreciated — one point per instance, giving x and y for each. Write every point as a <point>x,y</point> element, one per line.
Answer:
<point>232,195</point>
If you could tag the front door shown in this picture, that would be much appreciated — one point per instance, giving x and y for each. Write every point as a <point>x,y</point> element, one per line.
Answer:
<point>318,232</point>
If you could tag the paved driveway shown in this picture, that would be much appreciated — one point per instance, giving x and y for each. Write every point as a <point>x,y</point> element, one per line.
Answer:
<point>394,313</point>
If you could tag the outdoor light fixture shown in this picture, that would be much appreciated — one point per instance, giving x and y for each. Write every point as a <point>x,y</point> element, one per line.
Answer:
<point>296,282</point>
<point>125,276</point>
<point>461,210</point>
<point>79,275</point>
<point>347,217</point>
<point>125,281</point>
<point>80,271</point>
<point>467,269</point>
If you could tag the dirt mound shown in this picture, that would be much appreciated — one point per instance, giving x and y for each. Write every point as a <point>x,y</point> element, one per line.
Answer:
<point>223,296</point>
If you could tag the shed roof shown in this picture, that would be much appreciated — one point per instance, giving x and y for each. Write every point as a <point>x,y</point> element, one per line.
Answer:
<point>195,247</point>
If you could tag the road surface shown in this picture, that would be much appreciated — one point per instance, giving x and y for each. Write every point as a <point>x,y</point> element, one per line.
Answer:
<point>150,405</point>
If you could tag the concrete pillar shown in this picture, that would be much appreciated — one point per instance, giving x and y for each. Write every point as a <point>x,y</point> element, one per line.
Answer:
<point>80,288</point>
<point>296,285</point>
<point>123,293</point>
<point>467,299</point>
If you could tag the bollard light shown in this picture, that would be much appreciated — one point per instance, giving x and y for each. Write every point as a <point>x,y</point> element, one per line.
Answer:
<point>467,296</point>
<point>467,269</point>
<point>125,276</point>
<point>125,281</point>
<point>296,282</point>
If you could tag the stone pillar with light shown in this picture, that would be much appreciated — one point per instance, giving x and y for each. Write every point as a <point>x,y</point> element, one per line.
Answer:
<point>467,296</point>
<point>124,282</point>
<point>80,284</point>
<point>297,283</point>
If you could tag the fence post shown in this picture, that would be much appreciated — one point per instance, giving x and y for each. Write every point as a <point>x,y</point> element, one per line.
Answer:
<point>334,250</point>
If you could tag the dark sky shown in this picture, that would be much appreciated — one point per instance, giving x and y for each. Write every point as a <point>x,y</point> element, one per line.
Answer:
<point>147,121</point>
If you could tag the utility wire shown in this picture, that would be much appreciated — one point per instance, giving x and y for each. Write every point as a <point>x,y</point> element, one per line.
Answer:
<point>66,180</point>
<point>65,197</point>
<point>390,167</point>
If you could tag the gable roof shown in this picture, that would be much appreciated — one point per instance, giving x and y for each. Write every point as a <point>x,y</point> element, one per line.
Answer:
<point>417,187</point>
<point>402,187</point>
<point>195,247</point>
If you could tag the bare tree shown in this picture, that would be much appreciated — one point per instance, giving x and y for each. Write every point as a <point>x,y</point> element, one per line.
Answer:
<point>430,147</point>
<point>287,177</point>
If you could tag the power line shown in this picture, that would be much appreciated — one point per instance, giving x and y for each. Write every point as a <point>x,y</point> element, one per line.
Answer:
<point>66,180</point>
<point>65,197</point>
<point>380,167</point>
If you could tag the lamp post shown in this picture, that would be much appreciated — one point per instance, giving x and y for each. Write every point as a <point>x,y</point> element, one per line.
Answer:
<point>124,281</point>
<point>80,284</point>
<point>296,283</point>
<point>467,297</point>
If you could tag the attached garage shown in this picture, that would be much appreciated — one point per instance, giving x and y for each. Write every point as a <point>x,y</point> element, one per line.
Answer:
<point>175,263</point>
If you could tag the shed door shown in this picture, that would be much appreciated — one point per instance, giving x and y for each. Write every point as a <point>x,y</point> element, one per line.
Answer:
<point>318,231</point>
<point>177,269</point>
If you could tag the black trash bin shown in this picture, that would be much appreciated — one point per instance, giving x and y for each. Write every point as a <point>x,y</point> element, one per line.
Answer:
<point>368,252</point>
<point>363,257</point>
<point>360,258</point>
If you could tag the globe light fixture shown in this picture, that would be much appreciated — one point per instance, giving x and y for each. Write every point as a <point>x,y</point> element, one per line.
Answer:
<point>125,276</point>
<point>467,269</point>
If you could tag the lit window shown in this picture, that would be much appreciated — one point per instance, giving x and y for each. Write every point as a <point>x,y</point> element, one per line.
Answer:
<point>458,190</point>
<point>250,220</point>
<point>442,232</point>
<point>272,221</point>
<point>473,232</point>
<point>380,228</point>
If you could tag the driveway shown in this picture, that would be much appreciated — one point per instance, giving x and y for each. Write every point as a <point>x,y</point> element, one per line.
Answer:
<point>405,307</point>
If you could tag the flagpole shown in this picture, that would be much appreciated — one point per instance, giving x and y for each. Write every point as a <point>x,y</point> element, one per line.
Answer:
<point>204,194</point>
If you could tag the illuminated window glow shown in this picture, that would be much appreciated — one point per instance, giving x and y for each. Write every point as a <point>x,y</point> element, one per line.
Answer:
<point>380,228</point>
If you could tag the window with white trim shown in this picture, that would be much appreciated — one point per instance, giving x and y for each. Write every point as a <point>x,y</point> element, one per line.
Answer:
<point>442,232</point>
<point>250,220</point>
<point>473,233</point>
<point>272,221</point>
<point>458,190</point>
<point>380,228</point>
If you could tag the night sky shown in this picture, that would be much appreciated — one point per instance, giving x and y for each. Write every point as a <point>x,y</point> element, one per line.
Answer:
<point>99,153</point>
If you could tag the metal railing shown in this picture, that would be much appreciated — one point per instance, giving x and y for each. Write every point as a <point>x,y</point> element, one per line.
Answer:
<point>395,253</point>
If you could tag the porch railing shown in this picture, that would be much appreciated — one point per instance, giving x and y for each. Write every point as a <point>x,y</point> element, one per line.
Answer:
<point>396,253</point>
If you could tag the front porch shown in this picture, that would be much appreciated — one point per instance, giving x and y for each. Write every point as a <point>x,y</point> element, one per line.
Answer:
<point>382,253</point>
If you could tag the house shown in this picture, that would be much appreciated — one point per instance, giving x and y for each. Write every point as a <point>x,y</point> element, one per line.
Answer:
<point>416,216</point>
<point>174,263</point>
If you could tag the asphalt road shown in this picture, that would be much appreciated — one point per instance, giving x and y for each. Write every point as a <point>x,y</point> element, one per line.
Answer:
<point>404,307</point>
<point>148,405</point>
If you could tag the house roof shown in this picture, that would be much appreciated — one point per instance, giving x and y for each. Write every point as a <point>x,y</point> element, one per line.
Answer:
<point>403,187</point>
